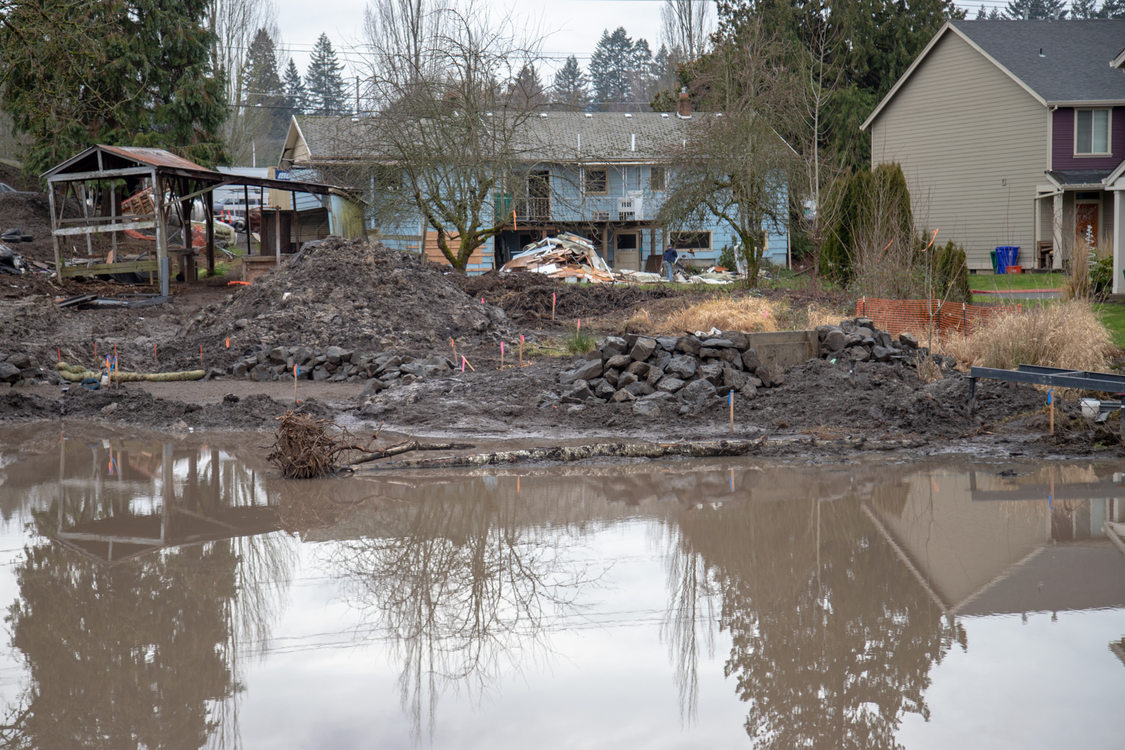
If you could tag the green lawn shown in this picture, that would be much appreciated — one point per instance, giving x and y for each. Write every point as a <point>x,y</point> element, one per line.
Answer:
<point>1113,317</point>
<point>1009,281</point>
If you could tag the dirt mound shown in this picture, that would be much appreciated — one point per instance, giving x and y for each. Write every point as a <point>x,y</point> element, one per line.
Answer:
<point>31,214</point>
<point>345,293</point>
<point>526,297</point>
<point>141,409</point>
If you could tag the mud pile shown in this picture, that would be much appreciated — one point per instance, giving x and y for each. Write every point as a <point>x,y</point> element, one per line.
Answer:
<point>31,214</point>
<point>526,297</point>
<point>346,293</point>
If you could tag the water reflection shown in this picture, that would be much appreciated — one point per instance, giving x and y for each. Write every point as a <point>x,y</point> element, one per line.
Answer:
<point>149,573</point>
<point>814,605</point>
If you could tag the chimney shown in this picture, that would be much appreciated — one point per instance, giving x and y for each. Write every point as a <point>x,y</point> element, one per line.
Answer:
<point>684,108</point>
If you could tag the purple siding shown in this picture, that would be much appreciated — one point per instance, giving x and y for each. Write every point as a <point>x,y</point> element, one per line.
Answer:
<point>1062,147</point>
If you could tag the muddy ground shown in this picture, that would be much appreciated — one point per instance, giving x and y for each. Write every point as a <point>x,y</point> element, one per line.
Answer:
<point>373,300</point>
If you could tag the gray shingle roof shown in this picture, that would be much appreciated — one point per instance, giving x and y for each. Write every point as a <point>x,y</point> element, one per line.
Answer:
<point>558,137</point>
<point>1075,61</point>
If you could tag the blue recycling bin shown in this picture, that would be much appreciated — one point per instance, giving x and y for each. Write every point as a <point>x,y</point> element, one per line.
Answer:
<point>1006,255</point>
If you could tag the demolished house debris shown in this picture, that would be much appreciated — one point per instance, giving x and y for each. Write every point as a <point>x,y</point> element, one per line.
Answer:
<point>567,257</point>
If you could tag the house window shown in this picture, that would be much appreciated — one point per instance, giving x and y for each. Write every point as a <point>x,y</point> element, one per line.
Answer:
<point>690,240</point>
<point>656,179</point>
<point>1091,131</point>
<point>596,181</point>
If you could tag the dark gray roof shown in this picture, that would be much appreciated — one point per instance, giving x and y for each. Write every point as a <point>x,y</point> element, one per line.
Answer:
<point>557,137</point>
<point>1066,177</point>
<point>1075,61</point>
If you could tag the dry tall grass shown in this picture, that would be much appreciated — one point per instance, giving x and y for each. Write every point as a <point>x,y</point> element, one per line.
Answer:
<point>751,314</point>
<point>1067,334</point>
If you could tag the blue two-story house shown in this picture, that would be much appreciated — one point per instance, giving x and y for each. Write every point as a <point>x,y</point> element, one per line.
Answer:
<point>603,176</point>
<point>1013,133</point>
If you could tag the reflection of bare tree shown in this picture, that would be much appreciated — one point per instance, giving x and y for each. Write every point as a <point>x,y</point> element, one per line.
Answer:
<point>461,585</point>
<point>691,616</point>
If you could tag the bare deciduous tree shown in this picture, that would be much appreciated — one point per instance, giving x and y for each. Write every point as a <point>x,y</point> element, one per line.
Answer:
<point>687,25</point>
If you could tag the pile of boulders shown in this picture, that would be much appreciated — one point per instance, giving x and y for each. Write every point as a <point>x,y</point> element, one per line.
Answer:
<point>337,365</point>
<point>659,371</point>
<point>21,368</point>
<point>858,340</point>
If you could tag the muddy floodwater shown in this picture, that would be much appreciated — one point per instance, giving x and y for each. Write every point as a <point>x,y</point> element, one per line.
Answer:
<point>173,592</point>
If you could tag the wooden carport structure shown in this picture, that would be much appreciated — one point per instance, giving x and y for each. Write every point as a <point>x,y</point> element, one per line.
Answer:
<point>95,181</point>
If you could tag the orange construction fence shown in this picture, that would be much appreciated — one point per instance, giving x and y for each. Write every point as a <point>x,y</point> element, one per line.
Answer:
<point>917,315</point>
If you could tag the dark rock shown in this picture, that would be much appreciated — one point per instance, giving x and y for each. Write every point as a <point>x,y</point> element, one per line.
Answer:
<point>611,376</point>
<point>732,357</point>
<point>718,343</point>
<point>587,370</point>
<point>319,373</point>
<point>9,373</point>
<point>654,375</point>
<point>372,386</point>
<point>697,392</point>
<point>857,354</point>
<point>613,345</point>
<point>338,354</point>
<point>20,360</point>
<point>301,355</point>
<point>660,358</point>
<point>882,353</point>
<point>712,371</point>
<point>639,389</point>
<point>834,340</point>
<point>733,378</point>
<point>907,340</point>
<point>604,390</point>
<point>681,366</point>
<point>669,384</point>
<point>667,343</point>
<point>688,345</point>
<point>749,390</point>
<point>771,376</point>
<point>279,354</point>
<point>643,349</point>
<point>640,369</point>
<point>706,352</point>
<point>618,362</point>
<point>240,369</point>
<point>626,379</point>
<point>740,340</point>
<point>261,373</point>
<point>651,406</point>
<point>579,392</point>
<point>623,395</point>
<point>864,323</point>
<point>750,360</point>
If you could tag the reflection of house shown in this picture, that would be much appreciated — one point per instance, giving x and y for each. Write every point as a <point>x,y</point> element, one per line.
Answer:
<point>1013,133</point>
<point>988,545</point>
<point>148,500</point>
<point>602,175</point>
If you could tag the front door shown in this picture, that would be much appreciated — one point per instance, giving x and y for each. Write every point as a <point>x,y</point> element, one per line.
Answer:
<point>628,254</point>
<point>1086,223</point>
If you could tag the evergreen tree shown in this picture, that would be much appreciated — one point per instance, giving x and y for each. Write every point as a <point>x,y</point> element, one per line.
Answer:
<point>1036,10</point>
<point>296,98</point>
<point>323,80</point>
<point>526,90</point>
<point>994,14</point>
<point>982,14</point>
<point>611,68</point>
<point>642,77</point>
<point>130,72</point>
<point>262,88</point>
<point>1081,10</point>
<point>571,88</point>
<point>1112,9</point>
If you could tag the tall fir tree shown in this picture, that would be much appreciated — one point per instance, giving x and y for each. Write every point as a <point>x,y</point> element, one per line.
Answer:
<point>1112,9</point>
<point>130,72</point>
<point>323,80</point>
<point>982,14</point>
<point>1082,10</point>
<point>1036,10</point>
<point>526,90</point>
<point>296,98</point>
<point>262,87</point>
<point>571,87</point>
<point>611,68</point>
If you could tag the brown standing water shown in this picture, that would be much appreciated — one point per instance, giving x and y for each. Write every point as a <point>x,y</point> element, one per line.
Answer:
<point>175,593</point>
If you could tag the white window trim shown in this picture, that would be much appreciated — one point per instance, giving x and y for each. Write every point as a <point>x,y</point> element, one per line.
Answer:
<point>1108,132</point>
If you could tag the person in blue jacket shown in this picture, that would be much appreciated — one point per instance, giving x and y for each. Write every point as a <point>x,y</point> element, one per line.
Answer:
<point>670,256</point>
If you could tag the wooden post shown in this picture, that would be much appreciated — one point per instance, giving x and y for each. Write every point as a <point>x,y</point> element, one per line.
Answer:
<point>276,235</point>
<point>246,217</point>
<point>161,232</point>
<point>54,226</point>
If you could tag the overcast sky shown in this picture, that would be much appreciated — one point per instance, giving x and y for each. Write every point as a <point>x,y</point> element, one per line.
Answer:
<point>570,27</point>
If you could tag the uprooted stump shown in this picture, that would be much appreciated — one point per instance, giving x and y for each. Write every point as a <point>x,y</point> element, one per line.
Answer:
<point>306,447</point>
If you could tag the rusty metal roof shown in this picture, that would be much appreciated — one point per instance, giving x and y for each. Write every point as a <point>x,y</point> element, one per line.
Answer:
<point>155,157</point>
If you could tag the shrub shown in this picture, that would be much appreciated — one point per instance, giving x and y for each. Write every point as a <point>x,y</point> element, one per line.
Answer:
<point>580,342</point>
<point>1065,334</point>
<point>726,258</point>
<point>951,273</point>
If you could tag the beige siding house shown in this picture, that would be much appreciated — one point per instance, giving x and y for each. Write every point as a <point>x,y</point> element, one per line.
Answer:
<point>1009,133</point>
